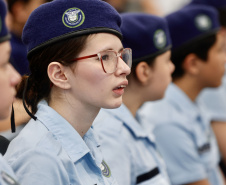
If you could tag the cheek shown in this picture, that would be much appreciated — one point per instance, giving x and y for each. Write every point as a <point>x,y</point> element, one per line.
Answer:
<point>6,99</point>
<point>165,76</point>
<point>91,81</point>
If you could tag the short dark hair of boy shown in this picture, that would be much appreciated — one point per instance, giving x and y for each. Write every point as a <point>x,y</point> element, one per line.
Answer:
<point>222,16</point>
<point>198,47</point>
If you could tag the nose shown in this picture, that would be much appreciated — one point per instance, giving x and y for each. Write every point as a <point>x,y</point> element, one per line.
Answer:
<point>122,68</point>
<point>15,77</point>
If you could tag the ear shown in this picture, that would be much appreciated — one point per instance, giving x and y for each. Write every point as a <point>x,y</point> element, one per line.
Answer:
<point>58,75</point>
<point>143,72</point>
<point>191,64</point>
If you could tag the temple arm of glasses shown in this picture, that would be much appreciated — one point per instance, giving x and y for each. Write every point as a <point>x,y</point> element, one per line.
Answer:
<point>81,58</point>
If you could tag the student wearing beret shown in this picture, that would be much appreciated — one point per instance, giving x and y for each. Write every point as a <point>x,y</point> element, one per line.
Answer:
<point>78,65</point>
<point>128,147</point>
<point>19,11</point>
<point>215,98</point>
<point>9,78</point>
<point>183,132</point>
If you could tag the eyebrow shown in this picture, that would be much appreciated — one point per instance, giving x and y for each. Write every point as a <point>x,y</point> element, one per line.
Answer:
<point>112,49</point>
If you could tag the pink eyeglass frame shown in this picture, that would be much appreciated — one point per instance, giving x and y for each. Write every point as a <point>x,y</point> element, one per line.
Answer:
<point>100,58</point>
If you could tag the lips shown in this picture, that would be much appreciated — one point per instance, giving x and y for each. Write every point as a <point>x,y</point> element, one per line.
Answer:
<point>119,90</point>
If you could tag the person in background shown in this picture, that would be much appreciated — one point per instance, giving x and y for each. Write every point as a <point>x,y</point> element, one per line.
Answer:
<point>183,132</point>
<point>128,148</point>
<point>215,98</point>
<point>19,11</point>
<point>78,65</point>
<point>9,78</point>
<point>144,6</point>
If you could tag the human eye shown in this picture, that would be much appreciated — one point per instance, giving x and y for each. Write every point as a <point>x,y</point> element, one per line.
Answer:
<point>105,57</point>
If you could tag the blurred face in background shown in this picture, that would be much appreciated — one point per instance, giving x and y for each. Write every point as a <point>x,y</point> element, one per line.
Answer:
<point>19,11</point>
<point>119,5</point>
<point>9,78</point>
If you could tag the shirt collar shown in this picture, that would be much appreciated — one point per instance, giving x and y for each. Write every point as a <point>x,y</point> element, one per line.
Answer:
<point>70,139</point>
<point>181,101</point>
<point>122,113</point>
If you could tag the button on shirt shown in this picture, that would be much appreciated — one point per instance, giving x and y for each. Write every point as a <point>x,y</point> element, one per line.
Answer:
<point>128,149</point>
<point>184,138</point>
<point>50,151</point>
<point>7,176</point>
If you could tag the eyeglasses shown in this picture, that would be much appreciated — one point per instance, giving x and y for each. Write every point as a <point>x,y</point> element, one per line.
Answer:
<point>109,59</point>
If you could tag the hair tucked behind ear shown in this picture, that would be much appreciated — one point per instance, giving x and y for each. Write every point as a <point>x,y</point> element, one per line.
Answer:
<point>38,85</point>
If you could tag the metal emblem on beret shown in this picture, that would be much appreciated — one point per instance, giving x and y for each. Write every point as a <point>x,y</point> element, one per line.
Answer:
<point>105,169</point>
<point>203,22</point>
<point>73,17</point>
<point>8,179</point>
<point>159,39</point>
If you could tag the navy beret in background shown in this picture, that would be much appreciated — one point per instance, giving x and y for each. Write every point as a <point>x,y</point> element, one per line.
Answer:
<point>61,19</point>
<point>214,3</point>
<point>147,35</point>
<point>192,23</point>
<point>220,5</point>
<point>4,34</point>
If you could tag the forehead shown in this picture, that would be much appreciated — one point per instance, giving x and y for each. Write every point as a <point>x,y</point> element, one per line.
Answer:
<point>103,41</point>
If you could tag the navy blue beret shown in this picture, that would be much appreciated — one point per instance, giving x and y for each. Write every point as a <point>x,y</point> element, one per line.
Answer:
<point>147,35</point>
<point>4,34</point>
<point>62,19</point>
<point>214,3</point>
<point>191,24</point>
<point>219,4</point>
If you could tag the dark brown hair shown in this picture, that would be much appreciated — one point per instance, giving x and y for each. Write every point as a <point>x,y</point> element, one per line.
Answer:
<point>199,48</point>
<point>38,84</point>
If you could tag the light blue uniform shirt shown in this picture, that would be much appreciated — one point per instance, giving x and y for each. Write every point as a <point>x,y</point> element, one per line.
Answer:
<point>128,149</point>
<point>50,151</point>
<point>7,176</point>
<point>215,101</point>
<point>184,138</point>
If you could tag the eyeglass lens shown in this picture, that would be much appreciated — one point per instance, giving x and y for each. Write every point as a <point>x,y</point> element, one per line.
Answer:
<point>110,59</point>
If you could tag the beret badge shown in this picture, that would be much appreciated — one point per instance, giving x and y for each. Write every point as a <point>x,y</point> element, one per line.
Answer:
<point>203,22</point>
<point>159,39</point>
<point>73,17</point>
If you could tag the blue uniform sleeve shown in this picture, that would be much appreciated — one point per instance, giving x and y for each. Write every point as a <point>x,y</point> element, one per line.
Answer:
<point>180,154</point>
<point>35,167</point>
<point>116,154</point>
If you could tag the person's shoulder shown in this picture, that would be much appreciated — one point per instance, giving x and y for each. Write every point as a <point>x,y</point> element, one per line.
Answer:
<point>106,122</point>
<point>159,112</point>
<point>34,137</point>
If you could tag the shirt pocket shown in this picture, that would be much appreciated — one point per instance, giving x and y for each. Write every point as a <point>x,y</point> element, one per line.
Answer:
<point>207,149</point>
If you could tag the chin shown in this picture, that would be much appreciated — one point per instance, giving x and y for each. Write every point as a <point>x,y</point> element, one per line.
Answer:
<point>113,105</point>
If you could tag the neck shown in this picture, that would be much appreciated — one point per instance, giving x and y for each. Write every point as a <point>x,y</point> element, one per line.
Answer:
<point>190,86</point>
<point>133,99</point>
<point>78,114</point>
